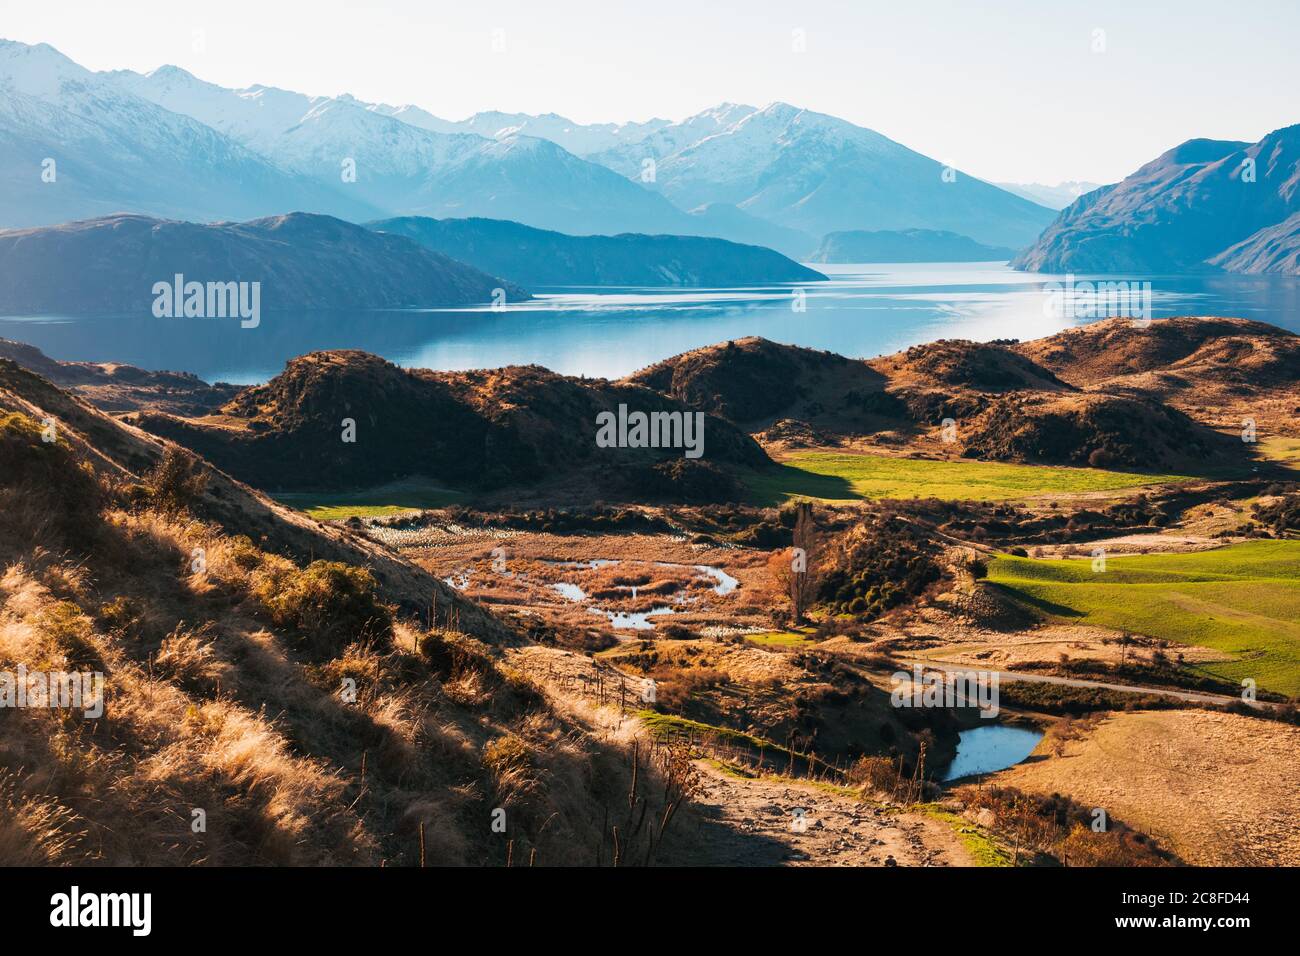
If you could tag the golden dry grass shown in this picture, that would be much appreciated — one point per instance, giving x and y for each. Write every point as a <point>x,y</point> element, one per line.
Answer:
<point>1217,789</point>
<point>213,703</point>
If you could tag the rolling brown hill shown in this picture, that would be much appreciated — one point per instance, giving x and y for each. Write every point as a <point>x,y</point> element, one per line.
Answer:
<point>959,363</point>
<point>1136,397</point>
<point>1107,393</point>
<point>123,388</point>
<point>1095,429</point>
<point>1096,354</point>
<point>754,382</point>
<point>480,430</point>
<point>1219,371</point>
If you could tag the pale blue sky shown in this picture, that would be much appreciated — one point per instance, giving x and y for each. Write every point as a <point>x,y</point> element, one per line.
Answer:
<point>1004,89</point>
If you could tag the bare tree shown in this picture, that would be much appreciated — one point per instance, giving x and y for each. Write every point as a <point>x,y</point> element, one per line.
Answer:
<point>794,569</point>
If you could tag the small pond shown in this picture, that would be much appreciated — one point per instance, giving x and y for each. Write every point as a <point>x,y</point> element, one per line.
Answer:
<point>991,747</point>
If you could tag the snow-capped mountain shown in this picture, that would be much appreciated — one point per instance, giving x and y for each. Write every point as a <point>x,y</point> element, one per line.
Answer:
<point>75,144</point>
<point>628,157</point>
<point>168,143</point>
<point>415,116</point>
<point>819,174</point>
<point>255,116</point>
<point>311,135</point>
<point>577,138</point>
<point>404,160</point>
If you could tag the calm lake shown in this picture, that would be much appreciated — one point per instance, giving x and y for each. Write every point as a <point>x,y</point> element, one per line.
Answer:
<point>863,311</point>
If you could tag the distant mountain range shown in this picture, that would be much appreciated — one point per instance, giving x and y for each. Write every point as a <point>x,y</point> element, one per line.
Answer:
<point>405,168</point>
<point>1206,204</point>
<point>171,145</point>
<point>1053,197</point>
<point>539,257</point>
<point>819,174</point>
<point>577,138</point>
<point>301,261</point>
<point>727,221</point>
<point>906,245</point>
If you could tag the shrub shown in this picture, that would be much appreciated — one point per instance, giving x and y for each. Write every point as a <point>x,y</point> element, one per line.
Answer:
<point>509,761</point>
<point>121,615</point>
<point>1280,516</point>
<point>506,754</point>
<point>674,686</point>
<point>69,632</point>
<point>1062,829</point>
<point>677,632</point>
<point>877,774</point>
<point>176,482</point>
<point>328,605</point>
<point>681,479</point>
<point>243,553</point>
<point>450,655</point>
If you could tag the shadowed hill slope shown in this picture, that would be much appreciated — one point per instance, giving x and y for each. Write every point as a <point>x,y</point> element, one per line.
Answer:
<point>1220,371</point>
<point>960,363</point>
<point>1104,431</point>
<point>1138,397</point>
<point>1051,401</point>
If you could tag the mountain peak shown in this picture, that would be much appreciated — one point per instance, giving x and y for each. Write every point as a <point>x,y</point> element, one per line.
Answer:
<point>38,70</point>
<point>1200,150</point>
<point>18,48</point>
<point>171,72</point>
<point>781,110</point>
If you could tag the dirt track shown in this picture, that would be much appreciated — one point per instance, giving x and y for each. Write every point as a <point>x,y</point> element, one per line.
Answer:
<point>1009,676</point>
<point>743,822</point>
<point>740,821</point>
